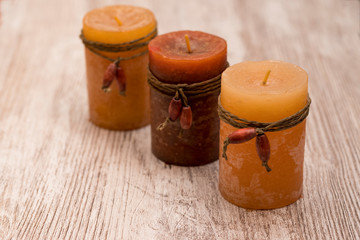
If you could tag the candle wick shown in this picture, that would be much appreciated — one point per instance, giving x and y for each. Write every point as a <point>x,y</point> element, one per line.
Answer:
<point>266,77</point>
<point>188,43</point>
<point>118,20</point>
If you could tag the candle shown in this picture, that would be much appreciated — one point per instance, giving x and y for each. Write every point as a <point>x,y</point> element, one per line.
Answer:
<point>264,91</point>
<point>118,25</point>
<point>186,57</point>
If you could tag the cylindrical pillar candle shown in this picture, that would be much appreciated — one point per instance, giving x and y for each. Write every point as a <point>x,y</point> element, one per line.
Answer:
<point>126,30</point>
<point>244,92</point>
<point>173,62</point>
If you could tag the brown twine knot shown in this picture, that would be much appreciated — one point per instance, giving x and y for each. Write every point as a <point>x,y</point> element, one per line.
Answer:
<point>259,129</point>
<point>97,47</point>
<point>182,91</point>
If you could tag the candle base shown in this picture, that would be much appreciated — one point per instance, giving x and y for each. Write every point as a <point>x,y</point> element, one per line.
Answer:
<point>183,160</point>
<point>198,145</point>
<point>182,163</point>
<point>112,110</point>
<point>112,118</point>
<point>119,127</point>
<point>238,201</point>
<point>243,180</point>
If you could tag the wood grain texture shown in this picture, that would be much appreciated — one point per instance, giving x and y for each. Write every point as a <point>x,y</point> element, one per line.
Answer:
<point>63,178</point>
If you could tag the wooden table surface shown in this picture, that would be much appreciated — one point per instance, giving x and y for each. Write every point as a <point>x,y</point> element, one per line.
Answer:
<point>63,178</point>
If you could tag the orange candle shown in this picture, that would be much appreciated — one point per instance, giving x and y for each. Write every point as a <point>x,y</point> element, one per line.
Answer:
<point>117,25</point>
<point>244,92</point>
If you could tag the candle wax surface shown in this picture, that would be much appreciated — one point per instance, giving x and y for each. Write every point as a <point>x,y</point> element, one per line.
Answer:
<point>100,24</point>
<point>242,178</point>
<point>111,110</point>
<point>244,94</point>
<point>171,62</point>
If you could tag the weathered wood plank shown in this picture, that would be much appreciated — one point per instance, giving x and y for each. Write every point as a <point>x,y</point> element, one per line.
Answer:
<point>63,178</point>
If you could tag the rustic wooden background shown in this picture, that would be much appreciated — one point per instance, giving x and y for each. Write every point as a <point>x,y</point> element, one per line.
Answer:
<point>63,178</point>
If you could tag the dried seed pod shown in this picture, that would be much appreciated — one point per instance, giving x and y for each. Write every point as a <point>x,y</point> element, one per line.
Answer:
<point>186,117</point>
<point>174,109</point>
<point>263,150</point>
<point>109,76</point>
<point>242,135</point>
<point>121,80</point>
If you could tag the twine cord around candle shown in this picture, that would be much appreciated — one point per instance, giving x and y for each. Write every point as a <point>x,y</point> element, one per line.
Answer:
<point>183,91</point>
<point>99,47</point>
<point>95,46</point>
<point>261,127</point>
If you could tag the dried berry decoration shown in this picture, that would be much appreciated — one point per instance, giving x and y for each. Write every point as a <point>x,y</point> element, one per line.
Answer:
<point>263,150</point>
<point>245,134</point>
<point>186,117</point>
<point>110,73</point>
<point>109,76</point>
<point>121,80</point>
<point>242,135</point>
<point>262,142</point>
<point>175,109</point>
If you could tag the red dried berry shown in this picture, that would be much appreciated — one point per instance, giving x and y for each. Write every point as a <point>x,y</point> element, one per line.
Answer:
<point>109,76</point>
<point>242,135</point>
<point>186,117</point>
<point>174,109</point>
<point>121,80</point>
<point>263,149</point>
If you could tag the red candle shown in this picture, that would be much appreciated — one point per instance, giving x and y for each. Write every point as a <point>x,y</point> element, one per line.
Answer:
<point>172,61</point>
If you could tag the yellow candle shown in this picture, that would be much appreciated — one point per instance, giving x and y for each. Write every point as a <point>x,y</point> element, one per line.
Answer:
<point>264,91</point>
<point>114,25</point>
